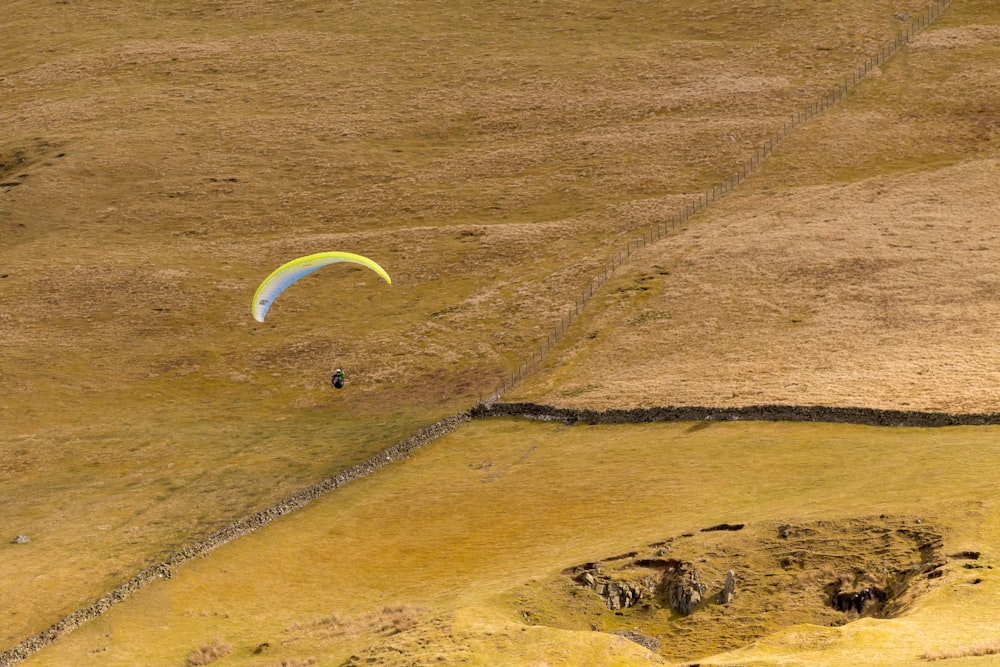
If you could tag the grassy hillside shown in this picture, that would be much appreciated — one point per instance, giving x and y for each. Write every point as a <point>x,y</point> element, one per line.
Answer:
<point>858,267</point>
<point>158,161</point>
<point>462,545</point>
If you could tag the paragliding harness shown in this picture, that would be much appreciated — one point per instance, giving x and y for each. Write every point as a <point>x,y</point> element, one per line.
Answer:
<point>338,379</point>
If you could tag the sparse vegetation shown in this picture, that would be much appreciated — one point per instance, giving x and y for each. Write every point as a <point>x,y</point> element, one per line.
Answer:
<point>209,653</point>
<point>389,620</point>
<point>294,662</point>
<point>989,647</point>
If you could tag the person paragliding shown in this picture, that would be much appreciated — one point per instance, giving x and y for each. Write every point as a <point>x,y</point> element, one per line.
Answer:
<point>290,272</point>
<point>286,274</point>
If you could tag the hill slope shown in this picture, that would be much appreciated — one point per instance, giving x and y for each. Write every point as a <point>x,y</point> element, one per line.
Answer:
<point>181,152</point>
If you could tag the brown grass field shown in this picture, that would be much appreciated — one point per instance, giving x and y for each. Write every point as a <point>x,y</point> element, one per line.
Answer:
<point>158,159</point>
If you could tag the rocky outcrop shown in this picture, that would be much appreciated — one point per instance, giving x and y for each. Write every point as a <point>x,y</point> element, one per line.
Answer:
<point>681,587</point>
<point>728,588</point>
<point>671,583</point>
<point>866,601</point>
<point>616,594</point>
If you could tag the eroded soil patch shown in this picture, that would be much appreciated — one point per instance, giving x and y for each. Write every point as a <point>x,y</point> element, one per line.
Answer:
<point>714,590</point>
<point>17,158</point>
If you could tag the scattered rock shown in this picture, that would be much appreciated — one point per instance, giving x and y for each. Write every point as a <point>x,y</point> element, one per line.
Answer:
<point>784,531</point>
<point>651,643</point>
<point>20,539</point>
<point>971,555</point>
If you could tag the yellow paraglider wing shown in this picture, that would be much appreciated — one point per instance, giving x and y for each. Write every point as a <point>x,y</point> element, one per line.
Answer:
<point>288,273</point>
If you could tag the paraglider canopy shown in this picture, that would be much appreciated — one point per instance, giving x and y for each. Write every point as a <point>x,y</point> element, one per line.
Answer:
<point>286,274</point>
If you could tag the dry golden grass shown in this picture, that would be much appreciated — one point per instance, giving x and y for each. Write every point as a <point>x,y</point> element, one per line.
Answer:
<point>464,541</point>
<point>991,647</point>
<point>877,294</point>
<point>167,157</point>
<point>858,268</point>
<point>163,170</point>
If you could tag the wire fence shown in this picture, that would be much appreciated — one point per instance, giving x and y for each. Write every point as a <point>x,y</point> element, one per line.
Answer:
<point>718,190</point>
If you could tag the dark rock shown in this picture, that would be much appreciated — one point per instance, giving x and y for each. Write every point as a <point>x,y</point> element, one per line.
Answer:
<point>861,601</point>
<point>724,526</point>
<point>791,413</point>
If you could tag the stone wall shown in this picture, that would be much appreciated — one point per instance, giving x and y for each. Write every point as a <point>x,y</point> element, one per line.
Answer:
<point>790,413</point>
<point>166,568</point>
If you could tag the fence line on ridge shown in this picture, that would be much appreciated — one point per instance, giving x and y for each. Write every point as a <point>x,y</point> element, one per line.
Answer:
<point>718,190</point>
